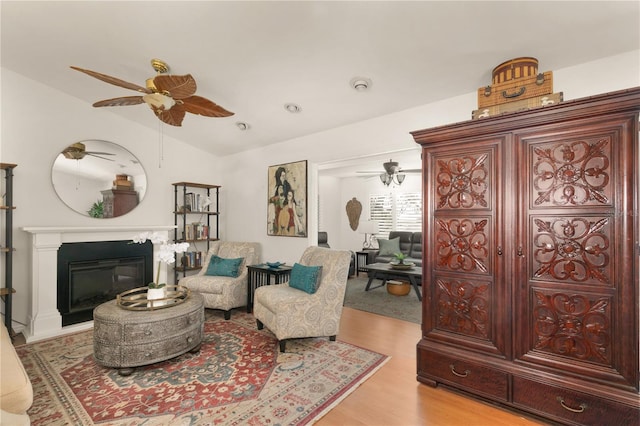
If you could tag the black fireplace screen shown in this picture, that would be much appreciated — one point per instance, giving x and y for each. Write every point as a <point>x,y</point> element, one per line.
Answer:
<point>93,273</point>
<point>93,283</point>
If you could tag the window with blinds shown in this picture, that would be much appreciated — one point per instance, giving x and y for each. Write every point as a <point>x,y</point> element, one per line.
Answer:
<point>396,212</point>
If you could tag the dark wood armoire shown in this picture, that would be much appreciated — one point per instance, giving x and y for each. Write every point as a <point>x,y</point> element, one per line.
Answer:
<point>530,269</point>
<point>117,202</point>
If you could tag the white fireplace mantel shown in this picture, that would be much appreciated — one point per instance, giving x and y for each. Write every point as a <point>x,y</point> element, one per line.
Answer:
<point>44,319</point>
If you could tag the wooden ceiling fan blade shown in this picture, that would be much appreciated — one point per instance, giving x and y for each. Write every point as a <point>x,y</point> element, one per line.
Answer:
<point>410,171</point>
<point>178,86</point>
<point>202,106</point>
<point>173,116</point>
<point>98,153</point>
<point>73,155</point>
<point>113,80</point>
<point>121,101</point>
<point>98,156</point>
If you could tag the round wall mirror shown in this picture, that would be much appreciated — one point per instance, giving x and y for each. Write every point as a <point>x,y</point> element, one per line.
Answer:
<point>98,178</point>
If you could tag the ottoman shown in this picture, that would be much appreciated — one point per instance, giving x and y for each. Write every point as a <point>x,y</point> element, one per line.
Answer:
<point>125,339</point>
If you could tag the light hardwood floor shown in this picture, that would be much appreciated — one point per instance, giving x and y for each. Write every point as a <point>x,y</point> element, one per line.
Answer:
<point>393,396</point>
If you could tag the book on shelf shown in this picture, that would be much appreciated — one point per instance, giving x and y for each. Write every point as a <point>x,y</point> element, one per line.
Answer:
<point>196,231</point>
<point>194,202</point>
<point>192,259</point>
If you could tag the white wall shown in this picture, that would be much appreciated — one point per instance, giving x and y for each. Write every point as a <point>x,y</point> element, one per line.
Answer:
<point>384,134</point>
<point>37,123</point>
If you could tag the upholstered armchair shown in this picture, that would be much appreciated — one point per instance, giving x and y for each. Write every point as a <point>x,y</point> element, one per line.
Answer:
<point>224,292</point>
<point>292,313</point>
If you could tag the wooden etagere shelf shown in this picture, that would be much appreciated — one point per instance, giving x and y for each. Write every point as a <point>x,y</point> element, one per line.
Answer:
<point>7,290</point>
<point>200,201</point>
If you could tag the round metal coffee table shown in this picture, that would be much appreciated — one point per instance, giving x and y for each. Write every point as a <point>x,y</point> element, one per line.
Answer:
<point>125,339</point>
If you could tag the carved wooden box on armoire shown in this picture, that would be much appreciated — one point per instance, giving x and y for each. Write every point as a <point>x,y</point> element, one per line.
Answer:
<point>530,269</point>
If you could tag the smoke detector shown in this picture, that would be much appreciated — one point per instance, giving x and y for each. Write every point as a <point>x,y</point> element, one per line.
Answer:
<point>360,84</point>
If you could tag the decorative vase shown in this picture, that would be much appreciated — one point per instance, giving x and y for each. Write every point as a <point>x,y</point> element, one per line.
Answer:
<point>155,294</point>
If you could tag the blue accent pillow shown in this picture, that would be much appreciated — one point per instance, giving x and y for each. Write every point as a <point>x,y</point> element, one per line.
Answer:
<point>221,267</point>
<point>305,278</point>
<point>389,247</point>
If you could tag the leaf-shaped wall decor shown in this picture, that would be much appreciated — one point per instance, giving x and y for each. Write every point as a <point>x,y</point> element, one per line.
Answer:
<point>354,209</point>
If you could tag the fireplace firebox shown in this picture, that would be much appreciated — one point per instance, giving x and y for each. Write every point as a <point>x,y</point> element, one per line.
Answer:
<point>91,273</point>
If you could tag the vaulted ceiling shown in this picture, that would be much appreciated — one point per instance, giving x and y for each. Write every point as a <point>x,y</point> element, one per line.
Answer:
<point>252,58</point>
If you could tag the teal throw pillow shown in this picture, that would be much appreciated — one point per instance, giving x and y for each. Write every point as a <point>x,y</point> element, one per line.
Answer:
<point>221,267</point>
<point>389,247</point>
<point>305,278</point>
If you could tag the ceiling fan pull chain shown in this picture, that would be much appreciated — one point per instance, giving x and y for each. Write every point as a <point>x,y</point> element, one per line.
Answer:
<point>160,144</point>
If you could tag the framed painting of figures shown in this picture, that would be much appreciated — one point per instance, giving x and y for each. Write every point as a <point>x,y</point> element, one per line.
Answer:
<point>287,199</point>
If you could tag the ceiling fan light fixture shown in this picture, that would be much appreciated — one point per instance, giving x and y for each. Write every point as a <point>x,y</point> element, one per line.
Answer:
<point>360,84</point>
<point>159,100</point>
<point>292,108</point>
<point>396,178</point>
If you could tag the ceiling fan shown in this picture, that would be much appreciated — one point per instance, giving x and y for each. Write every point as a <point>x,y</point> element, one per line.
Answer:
<point>78,151</point>
<point>393,173</point>
<point>169,96</point>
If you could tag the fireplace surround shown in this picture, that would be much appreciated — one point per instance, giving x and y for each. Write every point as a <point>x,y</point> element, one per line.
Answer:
<point>44,319</point>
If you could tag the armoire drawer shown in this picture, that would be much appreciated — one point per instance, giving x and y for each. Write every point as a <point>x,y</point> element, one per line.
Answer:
<point>570,406</point>
<point>464,375</point>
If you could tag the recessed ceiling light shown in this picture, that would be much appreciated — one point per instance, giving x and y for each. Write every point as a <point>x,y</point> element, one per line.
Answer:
<point>242,125</point>
<point>360,83</point>
<point>292,108</point>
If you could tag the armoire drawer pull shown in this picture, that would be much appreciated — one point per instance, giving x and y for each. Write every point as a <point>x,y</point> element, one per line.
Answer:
<point>573,410</point>
<point>499,250</point>
<point>453,370</point>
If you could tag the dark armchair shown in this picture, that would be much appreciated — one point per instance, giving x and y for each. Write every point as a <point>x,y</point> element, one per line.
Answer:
<point>323,241</point>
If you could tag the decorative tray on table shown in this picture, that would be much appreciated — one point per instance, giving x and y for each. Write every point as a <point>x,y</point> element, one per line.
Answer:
<point>402,266</point>
<point>136,299</point>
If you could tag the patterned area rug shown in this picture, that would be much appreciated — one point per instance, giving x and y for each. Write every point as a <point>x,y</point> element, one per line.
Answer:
<point>238,377</point>
<point>378,301</point>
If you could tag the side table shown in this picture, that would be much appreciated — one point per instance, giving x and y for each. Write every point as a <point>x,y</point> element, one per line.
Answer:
<point>125,339</point>
<point>362,260</point>
<point>260,275</point>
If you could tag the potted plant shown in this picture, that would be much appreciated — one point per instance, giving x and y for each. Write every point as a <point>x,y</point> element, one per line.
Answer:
<point>156,292</point>
<point>400,257</point>
<point>400,263</point>
<point>97,209</point>
<point>166,254</point>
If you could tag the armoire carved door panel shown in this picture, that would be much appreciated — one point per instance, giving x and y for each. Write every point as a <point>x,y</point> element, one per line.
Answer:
<point>572,172</point>
<point>572,249</point>
<point>464,243</point>
<point>569,237</point>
